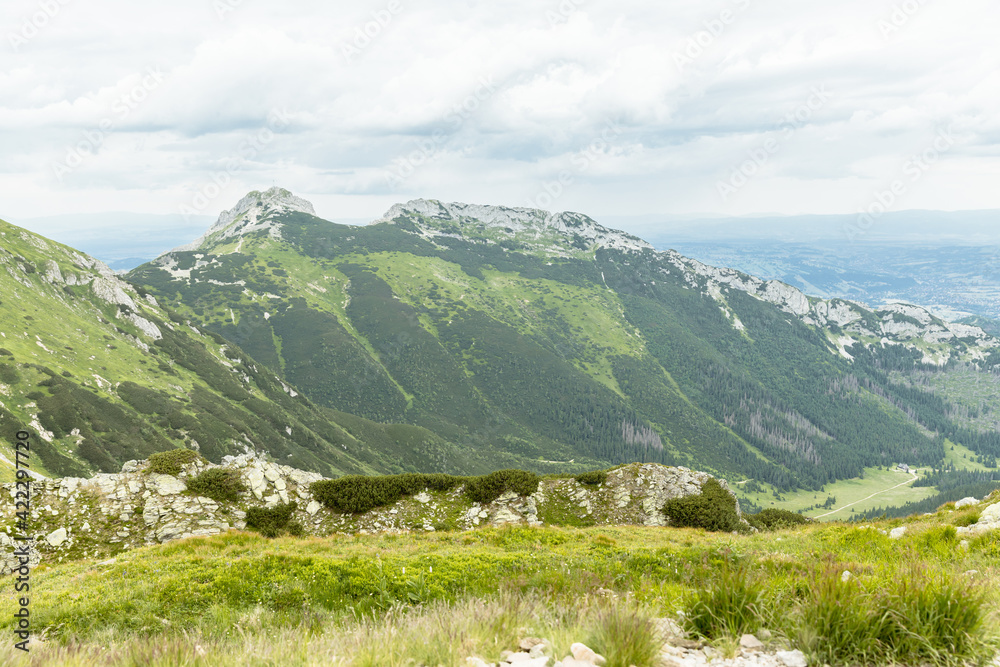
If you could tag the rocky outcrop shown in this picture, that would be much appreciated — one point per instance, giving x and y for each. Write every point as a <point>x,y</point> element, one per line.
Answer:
<point>989,519</point>
<point>109,513</point>
<point>523,224</point>
<point>252,213</point>
<point>846,322</point>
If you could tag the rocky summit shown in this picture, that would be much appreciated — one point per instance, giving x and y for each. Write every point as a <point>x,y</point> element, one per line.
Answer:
<point>110,513</point>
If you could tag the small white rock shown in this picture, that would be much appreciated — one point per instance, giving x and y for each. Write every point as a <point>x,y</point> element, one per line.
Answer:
<point>791,658</point>
<point>897,533</point>
<point>56,537</point>
<point>587,654</point>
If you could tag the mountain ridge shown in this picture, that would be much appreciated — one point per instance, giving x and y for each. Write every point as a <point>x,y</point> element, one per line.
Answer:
<point>510,330</point>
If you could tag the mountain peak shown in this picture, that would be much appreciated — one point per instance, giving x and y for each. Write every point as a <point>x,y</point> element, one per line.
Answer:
<point>539,229</point>
<point>252,213</point>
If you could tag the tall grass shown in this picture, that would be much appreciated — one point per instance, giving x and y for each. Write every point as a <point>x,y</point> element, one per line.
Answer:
<point>437,634</point>
<point>729,605</point>
<point>916,618</point>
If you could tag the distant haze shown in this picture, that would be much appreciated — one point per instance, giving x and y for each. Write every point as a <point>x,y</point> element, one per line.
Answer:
<point>125,240</point>
<point>962,227</point>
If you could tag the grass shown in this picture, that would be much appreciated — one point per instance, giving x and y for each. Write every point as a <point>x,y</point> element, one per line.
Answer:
<point>961,457</point>
<point>876,481</point>
<point>437,598</point>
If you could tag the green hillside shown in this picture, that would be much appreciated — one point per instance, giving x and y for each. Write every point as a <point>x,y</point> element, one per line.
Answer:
<point>552,339</point>
<point>103,374</point>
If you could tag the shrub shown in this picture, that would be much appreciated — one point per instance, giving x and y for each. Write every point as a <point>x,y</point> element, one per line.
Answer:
<point>171,462</point>
<point>774,519</point>
<point>219,484</point>
<point>272,521</point>
<point>488,488</point>
<point>356,494</point>
<point>712,509</point>
<point>593,478</point>
<point>9,374</point>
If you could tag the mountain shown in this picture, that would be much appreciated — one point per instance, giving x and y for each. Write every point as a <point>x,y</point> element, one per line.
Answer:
<point>558,341</point>
<point>102,373</point>
<point>953,280</point>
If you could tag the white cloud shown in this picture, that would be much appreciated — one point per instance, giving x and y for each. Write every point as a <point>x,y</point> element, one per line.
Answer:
<point>489,103</point>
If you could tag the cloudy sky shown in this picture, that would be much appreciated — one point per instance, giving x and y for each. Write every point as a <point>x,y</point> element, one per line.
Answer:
<point>610,108</point>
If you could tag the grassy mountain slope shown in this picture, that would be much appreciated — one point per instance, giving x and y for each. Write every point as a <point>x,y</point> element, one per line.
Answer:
<point>554,339</point>
<point>102,374</point>
<point>438,598</point>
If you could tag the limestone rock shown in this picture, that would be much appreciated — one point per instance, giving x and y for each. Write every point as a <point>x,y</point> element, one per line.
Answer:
<point>135,507</point>
<point>586,654</point>
<point>791,658</point>
<point>56,537</point>
<point>165,485</point>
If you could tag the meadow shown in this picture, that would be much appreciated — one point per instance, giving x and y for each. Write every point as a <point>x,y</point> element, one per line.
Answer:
<point>437,598</point>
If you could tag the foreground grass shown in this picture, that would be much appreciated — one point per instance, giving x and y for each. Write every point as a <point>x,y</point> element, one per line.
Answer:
<point>437,598</point>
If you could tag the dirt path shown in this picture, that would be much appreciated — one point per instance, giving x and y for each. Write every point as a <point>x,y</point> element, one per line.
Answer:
<point>909,481</point>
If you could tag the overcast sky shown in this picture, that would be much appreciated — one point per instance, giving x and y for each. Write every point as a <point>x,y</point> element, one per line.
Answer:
<point>609,108</point>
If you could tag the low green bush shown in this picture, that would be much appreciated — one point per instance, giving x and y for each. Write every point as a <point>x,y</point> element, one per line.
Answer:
<point>219,484</point>
<point>712,509</point>
<point>356,494</point>
<point>489,487</point>
<point>775,519</point>
<point>273,521</point>
<point>171,462</point>
<point>593,478</point>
